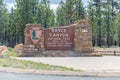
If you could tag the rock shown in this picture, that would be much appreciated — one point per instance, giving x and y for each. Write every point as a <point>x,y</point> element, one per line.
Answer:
<point>82,22</point>
<point>18,48</point>
<point>3,49</point>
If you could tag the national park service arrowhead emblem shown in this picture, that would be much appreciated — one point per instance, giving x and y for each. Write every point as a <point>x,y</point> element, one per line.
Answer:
<point>35,35</point>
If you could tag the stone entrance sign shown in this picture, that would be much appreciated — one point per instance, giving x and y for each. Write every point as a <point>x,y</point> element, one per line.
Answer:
<point>71,40</point>
<point>61,38</point>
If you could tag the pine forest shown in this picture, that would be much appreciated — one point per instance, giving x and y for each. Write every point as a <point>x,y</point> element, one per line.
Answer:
<point>103,16</point>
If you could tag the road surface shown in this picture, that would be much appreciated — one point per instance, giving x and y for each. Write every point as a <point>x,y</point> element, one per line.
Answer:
<point>105,63</point>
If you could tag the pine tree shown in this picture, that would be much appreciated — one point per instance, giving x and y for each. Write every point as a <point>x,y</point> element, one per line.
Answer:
<point>26,13</point>
<point>3,23</point>
<point>61,15</point>
<point>48,17</point>
<point>70,11</point>
<point>102,19</point>
<point>92,21</point>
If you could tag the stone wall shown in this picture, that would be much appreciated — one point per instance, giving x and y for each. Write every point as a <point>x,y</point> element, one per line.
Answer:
<point>82,42</point>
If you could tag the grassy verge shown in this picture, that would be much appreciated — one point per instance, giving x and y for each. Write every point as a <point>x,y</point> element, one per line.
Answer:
<point>8,62</point>
<point>13,63</point>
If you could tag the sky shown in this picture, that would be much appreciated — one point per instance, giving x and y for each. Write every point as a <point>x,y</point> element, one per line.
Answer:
<point>54,3</point>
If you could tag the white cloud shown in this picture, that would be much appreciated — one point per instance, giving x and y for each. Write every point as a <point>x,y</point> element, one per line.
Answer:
<point>10,5</point>
<point>85,2</point>
<point>54,6</point>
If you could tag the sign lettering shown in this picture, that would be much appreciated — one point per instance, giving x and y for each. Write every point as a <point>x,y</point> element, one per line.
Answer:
<point>61,38</point>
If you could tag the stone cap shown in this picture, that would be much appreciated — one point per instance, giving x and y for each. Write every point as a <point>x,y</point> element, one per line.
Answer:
<point>33,25</point>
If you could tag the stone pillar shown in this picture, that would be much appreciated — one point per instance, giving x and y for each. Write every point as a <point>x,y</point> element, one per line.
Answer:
<point>83,38</point>
<point>32,47</point>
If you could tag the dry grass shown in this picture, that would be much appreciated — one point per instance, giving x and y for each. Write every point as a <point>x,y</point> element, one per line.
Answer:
<point>13,63</point>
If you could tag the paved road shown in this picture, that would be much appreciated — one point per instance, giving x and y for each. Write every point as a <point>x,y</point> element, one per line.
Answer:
<point>14,76</point>
<point>106,63</point>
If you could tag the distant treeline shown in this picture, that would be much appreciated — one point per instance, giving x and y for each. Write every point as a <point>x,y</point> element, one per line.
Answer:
<point>103,16</point>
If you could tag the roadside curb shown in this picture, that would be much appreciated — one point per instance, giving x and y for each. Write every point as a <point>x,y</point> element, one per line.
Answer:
<point>63,73</point>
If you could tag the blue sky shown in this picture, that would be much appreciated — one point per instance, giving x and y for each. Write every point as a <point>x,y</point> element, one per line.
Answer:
<point>54,3</point>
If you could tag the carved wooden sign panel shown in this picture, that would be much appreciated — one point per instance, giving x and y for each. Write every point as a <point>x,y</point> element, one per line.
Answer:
<point>61,38</point>
<point>35,35</point>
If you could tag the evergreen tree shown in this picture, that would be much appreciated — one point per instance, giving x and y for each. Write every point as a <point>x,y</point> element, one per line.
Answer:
<point>45,15</point>
<point>12,29</point>
<point>102,19</point>
<point>79,10</point>
<point>61,15</point>
<point>92,21</point>
<point>25,13</point>
<point>70,11</point>
<point>117,29</point>
<point>3,23</point>
<point>97,16</point>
